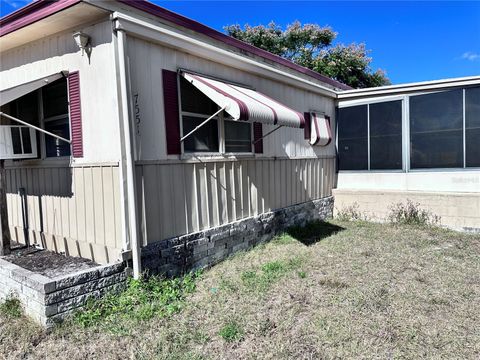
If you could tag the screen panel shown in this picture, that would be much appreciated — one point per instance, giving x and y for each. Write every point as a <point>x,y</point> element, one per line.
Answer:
<point>204,139</point>
<point>353,138</point>
<point>472,126</point>
<point>436,130</point>
<point>386,135</point>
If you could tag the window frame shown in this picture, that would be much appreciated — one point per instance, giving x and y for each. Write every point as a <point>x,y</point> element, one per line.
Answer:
<point>406,135</point>
<point>368,102</point>
<point>43,120</point>
<point>221,132</point>
<point>40,137</point>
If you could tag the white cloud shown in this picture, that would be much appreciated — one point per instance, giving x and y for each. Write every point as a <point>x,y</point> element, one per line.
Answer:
<point>470,56</point>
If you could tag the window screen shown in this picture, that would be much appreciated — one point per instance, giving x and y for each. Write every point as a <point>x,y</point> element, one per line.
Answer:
<point>204,139</point>
<point>55,147</point>
<point>16,140</point>
<point>386,135</point>
<point>352,138</point>
<point>194,101</point>
<point>56,119</point>
<point>436,130</point>
<point>472,126</point>
<point>238,136</point>
<point>55,99</point>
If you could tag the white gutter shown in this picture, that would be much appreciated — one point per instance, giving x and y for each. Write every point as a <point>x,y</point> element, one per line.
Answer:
<point>129,174</point>
<point>173,39</point>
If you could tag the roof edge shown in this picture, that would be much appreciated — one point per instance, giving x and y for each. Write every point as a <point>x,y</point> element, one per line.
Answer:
<point>41,9</point>
<point>449,82</point>
<point>31,13</point>
<point>409,87</point>
<point>198,27</point>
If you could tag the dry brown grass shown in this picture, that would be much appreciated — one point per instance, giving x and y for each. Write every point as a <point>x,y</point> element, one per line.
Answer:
<point>369,291</point>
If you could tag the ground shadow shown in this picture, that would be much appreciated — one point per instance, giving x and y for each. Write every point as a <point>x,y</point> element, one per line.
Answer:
<point>313,232</point>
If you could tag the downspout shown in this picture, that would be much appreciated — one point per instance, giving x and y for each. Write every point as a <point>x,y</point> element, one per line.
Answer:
<point>129,162</point>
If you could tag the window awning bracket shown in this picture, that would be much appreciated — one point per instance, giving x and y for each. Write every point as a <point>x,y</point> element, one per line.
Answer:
<point>264,136</point>
<point>34,127</point>
<point>203,123</point>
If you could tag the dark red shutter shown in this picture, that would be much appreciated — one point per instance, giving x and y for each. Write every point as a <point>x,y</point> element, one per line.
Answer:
<point>308,123</point>
<point>75,114</point>
<point>172,118</point>
<point>257,134</point>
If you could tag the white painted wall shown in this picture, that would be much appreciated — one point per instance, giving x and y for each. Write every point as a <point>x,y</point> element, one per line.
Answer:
<point>147,60</point>
<point>98,88</point>
<point>430,181</point>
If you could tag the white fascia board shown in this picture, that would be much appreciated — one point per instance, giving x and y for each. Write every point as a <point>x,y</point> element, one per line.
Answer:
<point>173,39</point>
<point>411,87</point>
<point>369,100</point>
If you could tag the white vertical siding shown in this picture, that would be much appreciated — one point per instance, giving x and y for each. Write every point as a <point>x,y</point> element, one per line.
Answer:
<point>146,62</point>
<point>179,198</point>
<point>98,87</point>
<point>73,210</point>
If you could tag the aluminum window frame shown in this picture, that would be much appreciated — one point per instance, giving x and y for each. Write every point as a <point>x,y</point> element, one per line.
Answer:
<point>409,169</point>
<point>369,102</point>
<point>406,133</point>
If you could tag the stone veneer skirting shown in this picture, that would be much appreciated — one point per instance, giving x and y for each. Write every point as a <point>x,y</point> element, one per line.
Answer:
<point>50,300</point>
<point>178,255</point>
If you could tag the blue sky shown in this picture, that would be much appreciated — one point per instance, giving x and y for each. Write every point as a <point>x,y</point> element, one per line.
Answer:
<point>411,41</point>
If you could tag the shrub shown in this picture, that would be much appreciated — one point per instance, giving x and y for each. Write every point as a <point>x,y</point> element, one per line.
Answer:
<point>411,213</point>
<point>231,332</point>
<point>11,307</point>
<point>351,213</point>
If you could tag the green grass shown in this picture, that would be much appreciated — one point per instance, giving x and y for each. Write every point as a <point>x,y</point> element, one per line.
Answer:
<point>142,300</point>
<point>337,290</point>
<point>11,307</point>
<point>231,332</point>
<point>262,278</point>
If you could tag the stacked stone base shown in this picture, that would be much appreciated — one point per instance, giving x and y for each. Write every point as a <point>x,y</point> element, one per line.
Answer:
<point>48,300</point>
<point>51,300</point>
<point>178,255</point>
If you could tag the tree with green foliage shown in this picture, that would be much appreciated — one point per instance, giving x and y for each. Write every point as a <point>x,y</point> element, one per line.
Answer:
<point>311,46</point>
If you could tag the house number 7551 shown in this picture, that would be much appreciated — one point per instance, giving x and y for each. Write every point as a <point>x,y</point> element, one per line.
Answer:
<point>136,112</point>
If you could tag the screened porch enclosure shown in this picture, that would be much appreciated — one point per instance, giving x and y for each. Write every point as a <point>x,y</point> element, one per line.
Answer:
<point>419,131</point>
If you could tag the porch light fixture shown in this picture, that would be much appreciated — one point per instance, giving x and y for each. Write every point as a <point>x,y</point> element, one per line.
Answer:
<point>82,40</point>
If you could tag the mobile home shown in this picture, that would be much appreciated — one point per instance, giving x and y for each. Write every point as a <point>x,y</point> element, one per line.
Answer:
<point>172,142</point>
<point>133,135</point>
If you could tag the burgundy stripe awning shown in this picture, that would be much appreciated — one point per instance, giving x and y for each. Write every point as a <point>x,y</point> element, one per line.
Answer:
<point>245,104</point>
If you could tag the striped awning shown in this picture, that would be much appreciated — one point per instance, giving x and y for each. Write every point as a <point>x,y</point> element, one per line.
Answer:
<point>246,104</point>
<point>321,133</point>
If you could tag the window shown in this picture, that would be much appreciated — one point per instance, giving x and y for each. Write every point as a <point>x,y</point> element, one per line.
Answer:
<point>55,118</point>
<point>353,138</point>
<point>204,139</point>
<point>436,130</point>
<point>217,135</point>
<point>238,137</point>
<point>444,132</point>
<point>385,135</point>
<point>472,127</point>
<point>46,108</point>
<point>26,109</point>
